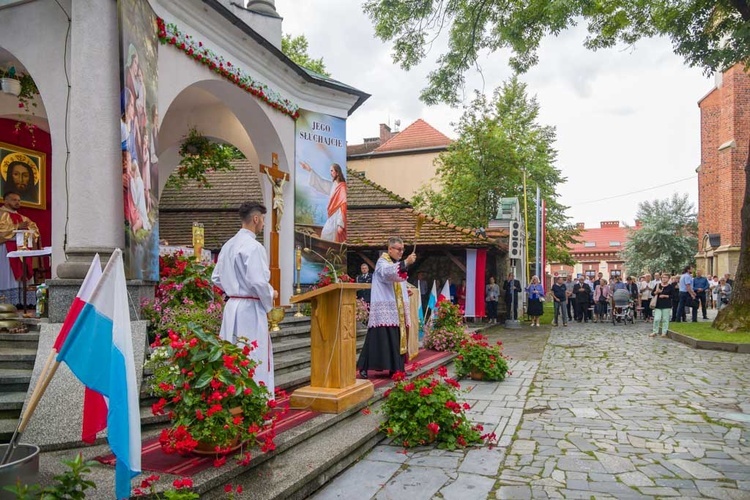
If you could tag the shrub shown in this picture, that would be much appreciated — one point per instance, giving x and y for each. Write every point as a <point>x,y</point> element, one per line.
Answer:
<point>445,331</point>
<point>476,355</point>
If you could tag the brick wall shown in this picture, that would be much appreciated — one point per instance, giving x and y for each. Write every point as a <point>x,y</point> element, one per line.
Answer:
<point>725,117</point>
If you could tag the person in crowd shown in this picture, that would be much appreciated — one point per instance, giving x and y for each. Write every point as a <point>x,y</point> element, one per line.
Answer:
<point>243,274</point>
<point>675,297</point>
<point>644,291</point>
<point>387,335</point>
<point>491,296</point>
<point>687,295</point>
<point>618,284</point>
<point>582,293</point>
<point>511,289</point>
<point>589,309</point>
<point>535,292</point>
<point>560,300</point>
<point>712,284</point>
<point>701,286</point>
<point>364,276</point>
<point>728,279</point>
<point>461,292</point>
<point>424,289</point>
<point>725,293</point>
<point>632,287</point>
<point>602,296</point>
<point>663,309</point>
<point>570,303</point>
<point>11,269</point>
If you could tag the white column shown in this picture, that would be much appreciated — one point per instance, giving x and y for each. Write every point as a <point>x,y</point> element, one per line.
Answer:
<point>95,213</point>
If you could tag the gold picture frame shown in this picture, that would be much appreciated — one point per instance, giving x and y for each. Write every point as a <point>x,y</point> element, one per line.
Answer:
<point>24,172</point>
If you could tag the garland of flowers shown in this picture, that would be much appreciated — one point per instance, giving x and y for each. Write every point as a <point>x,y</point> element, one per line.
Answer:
<point>169,34</point>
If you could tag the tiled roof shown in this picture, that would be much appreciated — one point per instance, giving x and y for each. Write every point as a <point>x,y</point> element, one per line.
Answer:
<point>228,190</point>
<point>418,135</point>
<point>601,237</point>
<point>219,226</point>
<point>362,192</point>
<point>360,149</point>
<point>374,214</point>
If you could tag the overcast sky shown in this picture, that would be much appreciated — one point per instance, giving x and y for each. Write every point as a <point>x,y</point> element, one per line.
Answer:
<point>627,119</point>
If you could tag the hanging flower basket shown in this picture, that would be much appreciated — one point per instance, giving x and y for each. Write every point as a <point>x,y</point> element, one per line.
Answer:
<point>10,86</point>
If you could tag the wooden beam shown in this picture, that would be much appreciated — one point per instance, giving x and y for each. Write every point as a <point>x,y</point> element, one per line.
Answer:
<point>455,260</point>
<point>367,260</point>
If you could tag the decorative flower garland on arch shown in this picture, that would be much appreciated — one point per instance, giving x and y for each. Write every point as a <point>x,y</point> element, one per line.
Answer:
<point>169,34</point>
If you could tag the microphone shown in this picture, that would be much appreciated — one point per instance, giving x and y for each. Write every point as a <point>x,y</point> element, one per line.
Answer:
<point>333,268</point>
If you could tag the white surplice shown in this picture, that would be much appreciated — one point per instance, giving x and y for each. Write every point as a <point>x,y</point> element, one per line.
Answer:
<point>242,272</point>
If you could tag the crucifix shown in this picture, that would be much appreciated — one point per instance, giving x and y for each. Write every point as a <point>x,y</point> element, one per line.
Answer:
<point>277,178</point>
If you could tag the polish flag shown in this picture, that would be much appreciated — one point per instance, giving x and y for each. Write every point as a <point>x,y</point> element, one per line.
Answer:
<point>445,293</point>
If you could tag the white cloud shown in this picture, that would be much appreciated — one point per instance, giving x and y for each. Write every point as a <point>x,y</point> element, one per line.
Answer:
<point>627,118</point>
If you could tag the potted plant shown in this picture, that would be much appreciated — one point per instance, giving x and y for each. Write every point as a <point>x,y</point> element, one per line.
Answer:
<point>199,155</point>
<point>483,361</point>
<point>445,331</point>
<point>425,410</point>
<point>206,385</point>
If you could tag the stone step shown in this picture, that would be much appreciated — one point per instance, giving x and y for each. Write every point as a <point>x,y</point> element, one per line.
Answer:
<point>11,404</point>
<point>14,379</point>
<point>17,357</point>
<point>10,340</point>
<point>7,427</point>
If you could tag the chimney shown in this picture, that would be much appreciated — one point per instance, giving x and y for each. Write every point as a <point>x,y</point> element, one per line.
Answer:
<point>385,133</point>
<point>638,223</point>
<point>580,225</point>
<point>610,223</point>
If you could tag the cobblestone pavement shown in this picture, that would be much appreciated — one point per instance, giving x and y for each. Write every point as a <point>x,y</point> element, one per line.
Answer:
<point>606,412</point>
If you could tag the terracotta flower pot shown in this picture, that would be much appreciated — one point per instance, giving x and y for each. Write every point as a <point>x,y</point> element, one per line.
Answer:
<point>476,375</point>
<point>209,448</point>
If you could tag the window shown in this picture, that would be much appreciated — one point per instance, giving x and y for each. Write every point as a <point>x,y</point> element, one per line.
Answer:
<point>589,244</point>
<point>614,244</point>
<point>615,273</point>
<point>591,274</point>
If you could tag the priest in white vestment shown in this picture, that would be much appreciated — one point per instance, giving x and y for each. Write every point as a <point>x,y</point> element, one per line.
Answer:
<point>242,272</point>
<point>386,342</point>
<point>11,270</point>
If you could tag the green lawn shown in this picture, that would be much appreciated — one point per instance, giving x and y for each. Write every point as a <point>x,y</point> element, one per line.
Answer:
<point>703,331</point>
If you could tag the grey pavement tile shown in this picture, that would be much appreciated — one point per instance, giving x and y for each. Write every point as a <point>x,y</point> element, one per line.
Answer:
<point>414,483</point>
<point>483,461</point>
<point>365,478</point>
<point>514,492</point>
<point>385,453</point>
<point>468,487</point>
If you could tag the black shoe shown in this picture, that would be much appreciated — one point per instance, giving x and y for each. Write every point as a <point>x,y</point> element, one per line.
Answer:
<point>363,374</point>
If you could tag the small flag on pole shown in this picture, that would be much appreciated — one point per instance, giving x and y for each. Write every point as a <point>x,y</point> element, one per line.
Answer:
<point>99,351</point>
<point>445,293</point>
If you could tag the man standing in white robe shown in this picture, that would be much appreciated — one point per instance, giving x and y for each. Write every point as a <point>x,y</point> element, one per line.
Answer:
<point>242,272</point>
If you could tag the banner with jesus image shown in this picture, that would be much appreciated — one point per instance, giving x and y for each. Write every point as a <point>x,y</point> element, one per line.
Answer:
<point>320,192</point>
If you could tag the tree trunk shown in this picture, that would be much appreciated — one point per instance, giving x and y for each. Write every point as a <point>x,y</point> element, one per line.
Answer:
<point>736,316</point>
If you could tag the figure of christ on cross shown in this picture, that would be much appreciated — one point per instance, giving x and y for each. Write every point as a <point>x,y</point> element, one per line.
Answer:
<point>277,178</point>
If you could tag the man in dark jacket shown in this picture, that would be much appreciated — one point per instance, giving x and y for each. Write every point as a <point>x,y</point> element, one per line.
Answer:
<point>582,293</point>
<point>511,287</point>
<point>560,298</point>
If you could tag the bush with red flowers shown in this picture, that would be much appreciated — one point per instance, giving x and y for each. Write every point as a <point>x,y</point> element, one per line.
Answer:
<point>206,386</point>
<point>477,355</point>
<point>328,277</point>
<point>426,410</point>
<point>446,329</point>
<point>184,294</point>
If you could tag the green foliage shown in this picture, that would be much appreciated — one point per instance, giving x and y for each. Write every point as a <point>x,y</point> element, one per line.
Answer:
<point>199,156</point>
<point>667,240</point>
<point>499,140</point>
<point>71,484</point>
<point>425,410</point>
<point>709,35</point>
<point>296,49</point>
<point>477,355</point>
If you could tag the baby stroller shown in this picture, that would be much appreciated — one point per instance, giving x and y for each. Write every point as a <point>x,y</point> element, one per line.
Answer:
<point>622,308</point>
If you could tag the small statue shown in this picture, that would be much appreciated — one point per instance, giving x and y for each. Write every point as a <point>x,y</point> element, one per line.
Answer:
<point>278,198</point>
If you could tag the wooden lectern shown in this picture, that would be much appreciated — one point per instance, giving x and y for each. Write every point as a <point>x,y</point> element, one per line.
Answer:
<point>333,384</point>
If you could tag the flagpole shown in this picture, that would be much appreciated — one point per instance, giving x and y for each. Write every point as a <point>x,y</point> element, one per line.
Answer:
<point>45,378</point>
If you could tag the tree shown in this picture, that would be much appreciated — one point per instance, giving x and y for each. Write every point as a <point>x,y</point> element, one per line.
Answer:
<point>667,239</point>
<point>296,49</point>
<point>499,140</point>
<point>712,35</point>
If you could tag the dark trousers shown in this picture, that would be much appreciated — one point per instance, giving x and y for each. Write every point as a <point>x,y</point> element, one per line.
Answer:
<point>570,305</point>
<point>675,303</point>
<point>560,311</point>
<point>685,300</point>
<point>582,310</point>
<point>511,308</point>
<point>699,297</point>
<point>492,309</point>
<point>646,308</point>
